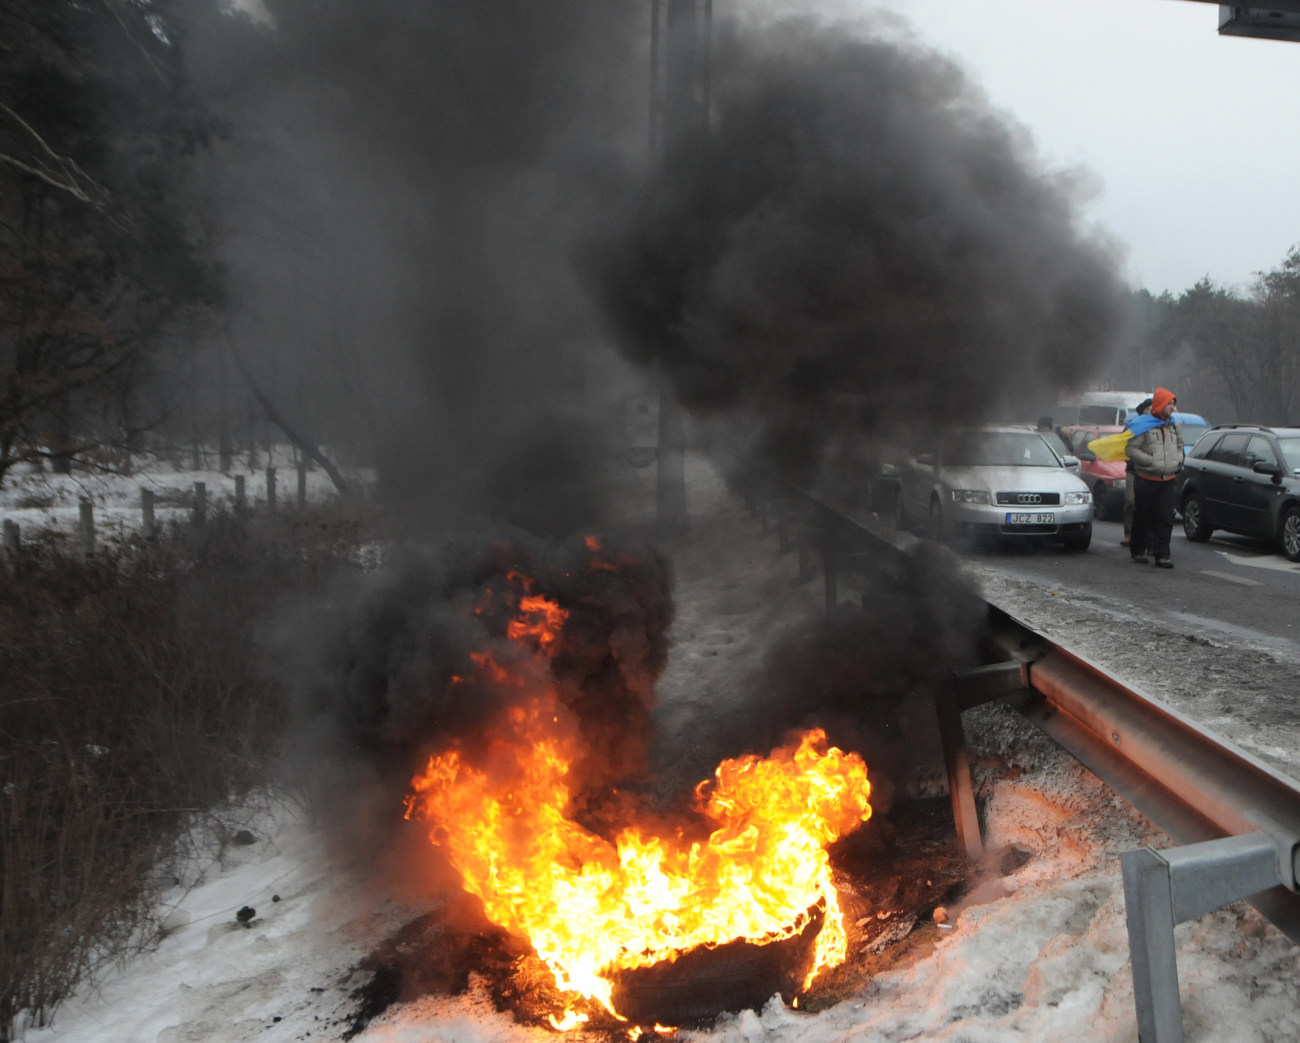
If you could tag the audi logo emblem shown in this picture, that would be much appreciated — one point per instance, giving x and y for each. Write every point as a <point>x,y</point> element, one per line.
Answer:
<point>1029,498</point>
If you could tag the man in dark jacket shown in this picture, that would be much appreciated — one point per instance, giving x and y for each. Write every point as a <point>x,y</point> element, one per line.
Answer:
<point>1156,450</point>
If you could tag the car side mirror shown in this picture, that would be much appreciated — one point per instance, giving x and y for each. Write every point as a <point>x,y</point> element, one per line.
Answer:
<point>1275,472</point>
<point>1070,461</point>
<point>1087,454</point>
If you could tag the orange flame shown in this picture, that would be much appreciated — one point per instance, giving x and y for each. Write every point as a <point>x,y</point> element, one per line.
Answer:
<point>542,621</point>
<point>591,907</point>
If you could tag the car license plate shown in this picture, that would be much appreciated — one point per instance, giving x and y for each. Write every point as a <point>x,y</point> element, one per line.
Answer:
<point>1031,519</point>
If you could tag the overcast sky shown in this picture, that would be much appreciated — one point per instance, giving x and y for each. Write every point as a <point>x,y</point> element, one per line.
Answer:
<point>1194,138</point>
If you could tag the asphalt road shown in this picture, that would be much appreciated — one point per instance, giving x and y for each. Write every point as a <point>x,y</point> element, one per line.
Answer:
<point>1240,588</point>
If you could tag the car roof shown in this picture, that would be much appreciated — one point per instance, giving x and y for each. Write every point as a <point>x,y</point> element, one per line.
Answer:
<point>1018,429</point>
<point>1281,432</point>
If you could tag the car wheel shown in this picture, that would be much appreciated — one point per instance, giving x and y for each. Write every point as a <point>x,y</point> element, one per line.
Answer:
<point>1079,541</point>
<point>1290,533</point>
<point>938,528</point>
<point>1194,524</point>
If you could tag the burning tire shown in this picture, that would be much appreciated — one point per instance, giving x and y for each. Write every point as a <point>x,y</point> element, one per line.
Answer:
<point>703,983</point>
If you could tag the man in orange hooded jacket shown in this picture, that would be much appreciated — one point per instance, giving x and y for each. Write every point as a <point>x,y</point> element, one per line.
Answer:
<point>1156,451</point>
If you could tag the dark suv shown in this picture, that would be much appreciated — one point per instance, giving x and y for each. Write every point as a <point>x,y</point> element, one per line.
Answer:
<point>1246,479</point>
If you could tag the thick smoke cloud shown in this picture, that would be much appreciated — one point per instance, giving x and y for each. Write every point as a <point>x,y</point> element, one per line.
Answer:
<point>433,210</point>
<point>399,185</point>
<point>859,228</point>
<point>386,674</point>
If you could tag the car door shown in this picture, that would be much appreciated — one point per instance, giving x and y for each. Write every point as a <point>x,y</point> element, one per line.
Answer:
<point>1256,492</point>
<point>1219,473</point>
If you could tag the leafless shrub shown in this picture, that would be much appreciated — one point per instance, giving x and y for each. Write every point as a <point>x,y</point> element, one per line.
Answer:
<point>132,701</point>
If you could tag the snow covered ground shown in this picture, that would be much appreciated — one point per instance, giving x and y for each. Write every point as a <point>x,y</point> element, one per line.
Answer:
<point>1038,952</point>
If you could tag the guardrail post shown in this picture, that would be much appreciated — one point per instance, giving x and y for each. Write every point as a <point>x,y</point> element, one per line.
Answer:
<point>961,690</point>
<point>200,503</point>
<point>270,488</point>
<point>1164,888</point>
<point>828,537</point>
<point>241,499</point>
<point>956,762</point>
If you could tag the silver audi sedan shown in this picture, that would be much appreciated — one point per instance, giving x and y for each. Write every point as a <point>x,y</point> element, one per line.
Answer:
<point>996,483</point>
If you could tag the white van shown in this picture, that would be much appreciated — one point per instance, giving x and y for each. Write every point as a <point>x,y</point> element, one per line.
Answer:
<point>1108,407</point>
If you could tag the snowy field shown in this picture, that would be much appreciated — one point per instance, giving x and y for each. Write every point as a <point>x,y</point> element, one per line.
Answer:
<point>46,507</point>
<point>1037,952</point>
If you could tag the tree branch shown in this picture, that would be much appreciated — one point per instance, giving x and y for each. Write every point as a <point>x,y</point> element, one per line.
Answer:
<point>303,444</point>
<point>67,167</point>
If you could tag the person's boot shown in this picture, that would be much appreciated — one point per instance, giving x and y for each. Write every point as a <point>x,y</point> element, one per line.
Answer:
<point>1164,563</point>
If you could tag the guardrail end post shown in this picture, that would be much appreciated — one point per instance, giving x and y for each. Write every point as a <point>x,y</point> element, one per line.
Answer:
<point>1164,888</point>
<point>1148,907</point>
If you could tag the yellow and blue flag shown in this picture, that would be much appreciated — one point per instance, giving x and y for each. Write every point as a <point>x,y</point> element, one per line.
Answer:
<point>1115,447</point>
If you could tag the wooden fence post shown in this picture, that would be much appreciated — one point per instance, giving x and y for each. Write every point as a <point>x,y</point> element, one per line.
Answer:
<point>270,488</point>
<point>87,529</point>
<point>302,485</point>
<point>147,527</point>
<point>200,503</point>
<point>240,500</point>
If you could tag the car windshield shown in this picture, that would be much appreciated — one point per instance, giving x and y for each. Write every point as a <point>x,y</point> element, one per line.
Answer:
<point>998,449</point>
<point>1291,451</point>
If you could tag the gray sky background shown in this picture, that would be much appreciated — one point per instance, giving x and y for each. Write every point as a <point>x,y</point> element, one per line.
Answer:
<point>1193,139</point>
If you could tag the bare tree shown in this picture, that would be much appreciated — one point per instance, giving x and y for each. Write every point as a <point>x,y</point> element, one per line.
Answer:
<point>98,260</point>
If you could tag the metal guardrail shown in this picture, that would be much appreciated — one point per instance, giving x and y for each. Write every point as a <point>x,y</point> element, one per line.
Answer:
<point>1239,818</point>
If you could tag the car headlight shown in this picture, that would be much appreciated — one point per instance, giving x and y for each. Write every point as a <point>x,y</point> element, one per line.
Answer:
<point>970,496</point>
<point>1077,498</point>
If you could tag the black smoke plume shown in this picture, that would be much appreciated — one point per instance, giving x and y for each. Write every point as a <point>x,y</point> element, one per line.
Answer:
<point>396,194</point>
<point>858,236</point>
<point>387,675</point>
